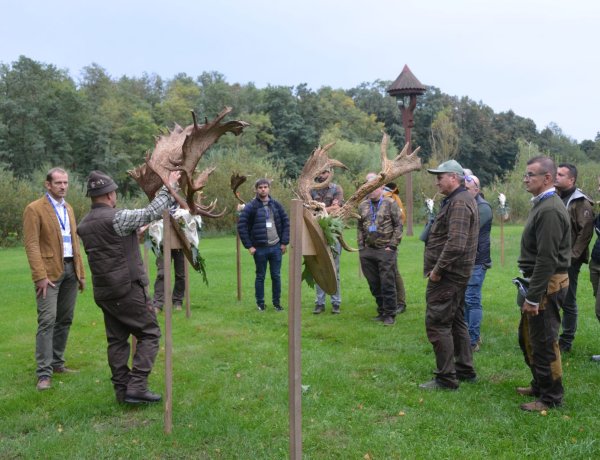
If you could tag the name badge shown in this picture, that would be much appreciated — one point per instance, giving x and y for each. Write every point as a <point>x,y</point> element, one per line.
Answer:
<point>66,238</point>
<point>269,224</point>
<point>373,228</point>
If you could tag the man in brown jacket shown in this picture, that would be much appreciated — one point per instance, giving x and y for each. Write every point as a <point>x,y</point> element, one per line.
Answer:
<point>448,261</point>
<point>52,248</point>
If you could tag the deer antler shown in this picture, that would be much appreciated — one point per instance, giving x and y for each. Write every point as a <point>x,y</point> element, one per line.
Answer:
<point>181,150</point>
<point>402,164</point>
<point>235,182</point>
<point>316,163</point>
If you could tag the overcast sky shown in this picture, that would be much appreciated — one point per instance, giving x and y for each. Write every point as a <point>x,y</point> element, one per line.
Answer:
<point>539,58</point>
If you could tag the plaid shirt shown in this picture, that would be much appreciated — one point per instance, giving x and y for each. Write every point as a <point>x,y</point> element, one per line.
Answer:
<point>452,244</point>
<point>127,221</point>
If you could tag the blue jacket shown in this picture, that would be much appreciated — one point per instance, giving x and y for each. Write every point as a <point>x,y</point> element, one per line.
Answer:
<point>252,225</point>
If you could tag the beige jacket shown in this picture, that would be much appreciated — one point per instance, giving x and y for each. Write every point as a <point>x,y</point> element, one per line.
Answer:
<point>43,241</point>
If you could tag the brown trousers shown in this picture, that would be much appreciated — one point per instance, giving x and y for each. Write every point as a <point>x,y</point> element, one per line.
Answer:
<point>447,331</point>
<point>538,339</point>
<point>131,315</point>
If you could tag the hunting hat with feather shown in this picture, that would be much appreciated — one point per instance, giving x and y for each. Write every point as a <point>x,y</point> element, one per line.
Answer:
<point>99,184</point>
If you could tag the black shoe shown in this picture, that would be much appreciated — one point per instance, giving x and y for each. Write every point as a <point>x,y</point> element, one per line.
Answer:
<point>318,309</point>
<point>278,307</point>
<point>261,307</point>
<point>335,309</point>
<point>400,308</point>
<point>564,347</point>
<point>467,378</point>
<point>378,318</point>
<point>141,397</point>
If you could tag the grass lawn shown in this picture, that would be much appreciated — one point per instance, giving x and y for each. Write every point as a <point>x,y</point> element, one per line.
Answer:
<point>230,401</point>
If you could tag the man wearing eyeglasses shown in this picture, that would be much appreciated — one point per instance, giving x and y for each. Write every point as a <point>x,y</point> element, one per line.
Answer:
<point>581,215</point>
<point>544,261</point>
<point>449,257</point>
<point>483,261</point>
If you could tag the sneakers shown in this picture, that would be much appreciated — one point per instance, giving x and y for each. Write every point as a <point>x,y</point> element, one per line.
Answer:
<point>319,309</point>
<point>335,309</point>
<point>260,307</point>
<point>278,307</point>
<point>400,308</point>
<point>178,306</point>
<point>435,385</point>
<point>389,321</point>
<point>44,383</point>
<point>596,358</point>
<point>475,347</point>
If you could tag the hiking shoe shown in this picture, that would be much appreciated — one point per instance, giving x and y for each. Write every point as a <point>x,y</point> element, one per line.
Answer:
<point>178,306</point>
<point>141,397</point>
<point>378,318</point>
<point>335,309</point>
<point>389,321</point>
<point>475,347</point>
<point>400,308</point>
<point>278,307</point>
<point>467,378</point>
<point>44,383</point>
<point>261,307</point>
<point>318,309</point>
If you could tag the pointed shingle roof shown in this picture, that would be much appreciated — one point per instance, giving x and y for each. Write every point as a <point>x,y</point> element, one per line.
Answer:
<point>406,84</point>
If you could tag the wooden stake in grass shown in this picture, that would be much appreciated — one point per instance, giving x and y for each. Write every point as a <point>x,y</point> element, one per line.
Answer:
<point>294,318</point>
<point>168,310</point>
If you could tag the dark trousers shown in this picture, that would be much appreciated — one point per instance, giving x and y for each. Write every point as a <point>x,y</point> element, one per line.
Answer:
<point>272,256</point>
<point>538,339</point>
<point>159,285</point>
<point>447,331</point>
<point>131,315</point>
<point>569,319</point>
<point>379,267</point>
<point>55,316</point>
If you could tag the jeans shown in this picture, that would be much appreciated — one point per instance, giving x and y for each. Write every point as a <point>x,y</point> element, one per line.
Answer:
<point>55,315</point>
<point>473,308</point>
<point>336,299</point>
<point>271,255</point>
<point>569,319</point>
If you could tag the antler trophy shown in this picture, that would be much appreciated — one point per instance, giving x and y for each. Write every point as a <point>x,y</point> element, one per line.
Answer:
<point>321,266</point>
<point>181,149</point>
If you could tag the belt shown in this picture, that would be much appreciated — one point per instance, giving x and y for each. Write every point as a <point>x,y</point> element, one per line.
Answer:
<point>68,260</point>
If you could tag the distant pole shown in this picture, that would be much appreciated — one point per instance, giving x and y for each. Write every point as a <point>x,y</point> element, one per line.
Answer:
<point>294,321</point>
<point>168,309</point>
<point>405,89</point>
<point>502,240</point>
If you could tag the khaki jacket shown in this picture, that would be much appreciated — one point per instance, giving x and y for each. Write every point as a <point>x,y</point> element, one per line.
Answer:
<point>43,241</point>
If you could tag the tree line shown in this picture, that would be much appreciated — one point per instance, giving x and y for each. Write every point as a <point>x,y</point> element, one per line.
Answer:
<point>102,122</point>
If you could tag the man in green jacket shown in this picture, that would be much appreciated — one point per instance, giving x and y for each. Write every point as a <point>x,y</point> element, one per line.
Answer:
<point>544,262</point>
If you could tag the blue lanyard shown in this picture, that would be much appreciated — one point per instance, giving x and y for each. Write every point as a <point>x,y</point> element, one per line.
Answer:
<point>375,210</point>
<point>62,222</point>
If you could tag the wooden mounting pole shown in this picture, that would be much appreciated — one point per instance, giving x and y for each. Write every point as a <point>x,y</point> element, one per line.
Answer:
<point>168,310</point>
<point>294,317</point>
<point>502,239</point>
